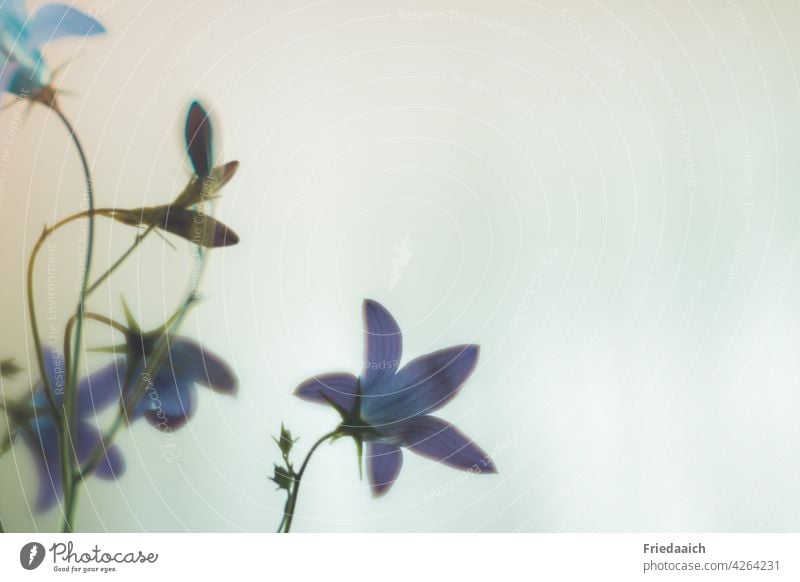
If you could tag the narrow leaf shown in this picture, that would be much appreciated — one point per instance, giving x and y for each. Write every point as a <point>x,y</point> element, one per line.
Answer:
<point>198,139</point>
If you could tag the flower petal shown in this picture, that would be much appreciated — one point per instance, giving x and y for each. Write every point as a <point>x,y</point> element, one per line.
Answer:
<point>41,435</point>
<point>190,359</point>
<point>384,345</point>
<point>422,386</point>
<point>7,72</point>
<point>198,139</point>
<point>438,440</point>
<point>384,462</point>
<point>17,9</point>
<point>171,402</point>
<point>198,228</point>
<point>54,21</point>
<point>339,387</point>
<point>113,464</point>
<point>87,438</point>
<point>42,438</point>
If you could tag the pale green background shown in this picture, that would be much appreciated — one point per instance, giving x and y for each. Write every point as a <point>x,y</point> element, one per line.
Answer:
<point>606,199</point>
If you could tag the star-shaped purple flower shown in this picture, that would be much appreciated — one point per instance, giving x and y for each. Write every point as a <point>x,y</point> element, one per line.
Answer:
<point>39,431</point>
<point>23,70</point>
<point>389,407</point>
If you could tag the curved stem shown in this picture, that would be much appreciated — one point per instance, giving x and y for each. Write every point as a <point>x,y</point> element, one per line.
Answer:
<point>37,340</point>
<point>88,315</point>
<point>157,359</point>
<point>67,461</point>
<point>291,502</point>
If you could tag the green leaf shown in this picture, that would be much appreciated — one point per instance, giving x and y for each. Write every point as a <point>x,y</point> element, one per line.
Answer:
<point>283,477</point>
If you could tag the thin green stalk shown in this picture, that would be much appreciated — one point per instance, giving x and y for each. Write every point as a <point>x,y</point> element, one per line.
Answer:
<point>140,391</point>
<point>88,315</point>
<point>283,519</point>
<point>119,261</point>
<point>291,502</point>
<point>67,426</point>
<point>157,359</point>
<point>37,340</point>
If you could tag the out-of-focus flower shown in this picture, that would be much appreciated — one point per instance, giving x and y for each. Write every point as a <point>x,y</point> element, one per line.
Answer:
<point>389,407</point>
<point>35,423</point>
<point>170,399</point>
<point>182,217</point>
<point>24,72</point>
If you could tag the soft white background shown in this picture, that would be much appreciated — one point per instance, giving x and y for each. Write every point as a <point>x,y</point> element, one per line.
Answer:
<point>602,195</point>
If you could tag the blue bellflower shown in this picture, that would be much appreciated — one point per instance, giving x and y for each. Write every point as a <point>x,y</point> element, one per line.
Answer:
<point>39,430</point>
<point>389,407</point>
<point>22,37</point>
<point>170,399</point>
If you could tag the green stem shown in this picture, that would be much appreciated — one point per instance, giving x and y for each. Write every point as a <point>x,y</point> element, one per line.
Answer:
<point>100,450</point>
<point>67,427</point>
<point>291,502</point>
<point>119,261</point>
<point>88,315</point>
<point>157,359</point>
<point>37,340</point>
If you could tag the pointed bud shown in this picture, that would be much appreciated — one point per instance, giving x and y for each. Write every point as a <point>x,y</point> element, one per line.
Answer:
<point>9,369</point>
<point>199,139</point>
<point>283,478</point>
<point>285,441</point>
<point>198,228</point>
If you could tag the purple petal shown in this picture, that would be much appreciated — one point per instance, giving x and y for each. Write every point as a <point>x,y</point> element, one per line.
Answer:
<point>171,402</point>
<point>339,387</point>
<point>384,462</point>
<point>88,438</point>
<point>189,358</point>
<point>42,438</point>
<point>198,139</point>
<point>54,21</point>
<point>99,390</point>
<point>197,228</point>
<point>438,440</point>
<point>384,345</point>
<point>422,386</point>
<point>113,464</point>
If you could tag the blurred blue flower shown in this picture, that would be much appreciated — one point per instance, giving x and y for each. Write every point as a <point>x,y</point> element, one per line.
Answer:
<point>388,407</point>
<point>24,71</point>
<point>170,398</point>
<point>39,431</point>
